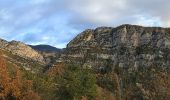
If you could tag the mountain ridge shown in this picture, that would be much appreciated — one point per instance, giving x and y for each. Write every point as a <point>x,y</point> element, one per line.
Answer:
<point>45,48</point>
<point>123,63</point>
<point>21,49</point>
<point>125,45</point>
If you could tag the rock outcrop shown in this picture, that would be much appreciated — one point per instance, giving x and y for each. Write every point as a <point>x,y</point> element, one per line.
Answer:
<point>21,49</point>
<point>3,43</point>
<point>124,46</point>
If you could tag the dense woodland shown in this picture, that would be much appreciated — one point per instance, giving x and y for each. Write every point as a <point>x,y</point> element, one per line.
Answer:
<point>73,82</point>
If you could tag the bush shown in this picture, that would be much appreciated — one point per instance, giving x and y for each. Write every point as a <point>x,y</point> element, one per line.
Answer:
<point>14,87</point>
<point>76,83</point>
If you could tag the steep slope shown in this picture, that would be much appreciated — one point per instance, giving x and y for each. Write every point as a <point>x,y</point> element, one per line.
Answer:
<point>3,43</point>
<point>21,49</point>
<point>124,46</point>
<point>49,53</point>
<point>23,63</point>
<point>130,62</point>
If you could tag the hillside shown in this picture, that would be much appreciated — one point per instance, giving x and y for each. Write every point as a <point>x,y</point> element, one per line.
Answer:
<point>128,62</point>
<point>21,49</point>
<point>126,46</point>
<point>23,63</point>
<point>49,53</point>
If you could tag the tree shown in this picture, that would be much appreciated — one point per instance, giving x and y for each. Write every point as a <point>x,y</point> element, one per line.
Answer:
<point>4,80</point>
<point>14,87</point>
<point>77,83</point>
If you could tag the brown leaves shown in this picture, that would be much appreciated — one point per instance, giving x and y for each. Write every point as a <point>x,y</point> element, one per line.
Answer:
<point>56,70</point>
<point>14,87</point>
<point>4,79</point>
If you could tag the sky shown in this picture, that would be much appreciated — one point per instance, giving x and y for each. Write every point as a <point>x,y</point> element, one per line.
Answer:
<point>56,22</point>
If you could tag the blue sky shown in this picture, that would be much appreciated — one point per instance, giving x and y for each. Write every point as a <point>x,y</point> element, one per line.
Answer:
<point>56,22</point>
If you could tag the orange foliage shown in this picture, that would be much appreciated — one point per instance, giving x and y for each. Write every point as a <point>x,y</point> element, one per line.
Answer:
<point>14,87</point>
<point>4,80</point>
<point>56,70</point>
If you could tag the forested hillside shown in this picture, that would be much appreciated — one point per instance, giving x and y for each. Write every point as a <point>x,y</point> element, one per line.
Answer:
<point>128,62</point>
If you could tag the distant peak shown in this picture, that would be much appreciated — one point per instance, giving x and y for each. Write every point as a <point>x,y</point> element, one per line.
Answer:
<point>45,48</point>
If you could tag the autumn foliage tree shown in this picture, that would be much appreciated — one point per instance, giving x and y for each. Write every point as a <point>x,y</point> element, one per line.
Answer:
<point>4,80</point>
<point>14,87</point>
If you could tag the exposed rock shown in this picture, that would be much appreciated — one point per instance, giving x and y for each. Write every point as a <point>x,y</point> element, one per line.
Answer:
<point>22,50</point>
<point>3,43</point>
<point>125,46</point>
<point>49,53</point>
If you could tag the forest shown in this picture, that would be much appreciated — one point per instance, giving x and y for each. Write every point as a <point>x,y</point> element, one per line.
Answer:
<point>72,82</point>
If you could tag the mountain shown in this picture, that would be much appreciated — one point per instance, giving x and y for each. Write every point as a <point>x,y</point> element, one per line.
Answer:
<point>128,62</point>
<point>45,55</point>
<point>49,53</point>
<point>22,50</point>
<point>45,48</point>
<point>128,46</point>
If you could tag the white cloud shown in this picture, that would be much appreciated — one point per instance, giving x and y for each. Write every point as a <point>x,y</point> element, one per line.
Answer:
<point>113,12</point>
<point>32,21</point>
<point>98,12</point>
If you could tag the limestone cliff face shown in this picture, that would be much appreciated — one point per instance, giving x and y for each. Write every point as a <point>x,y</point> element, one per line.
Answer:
<point>21,49</point>
<point>124,46</point>
<point>3,43</point>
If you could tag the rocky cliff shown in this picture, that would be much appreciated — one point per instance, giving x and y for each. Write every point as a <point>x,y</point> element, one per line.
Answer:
<point>21,49</point>
<point>124,46</point>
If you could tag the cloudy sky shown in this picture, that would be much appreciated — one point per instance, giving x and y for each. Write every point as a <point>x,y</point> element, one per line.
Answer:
<point>56,22</point>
